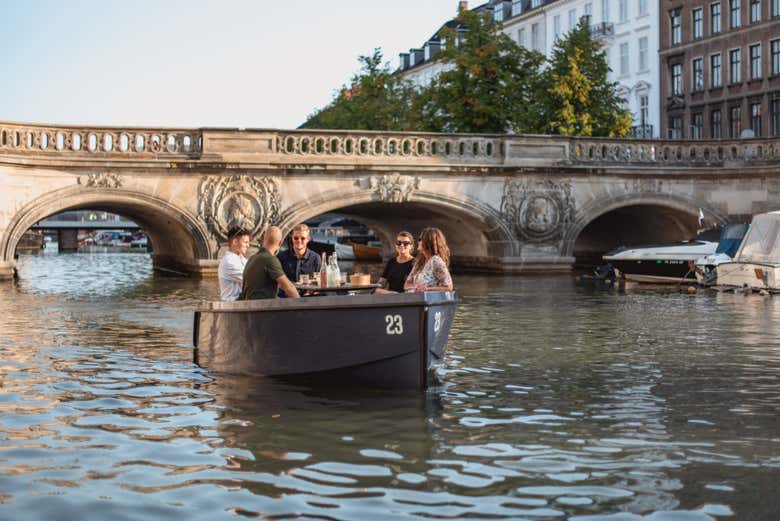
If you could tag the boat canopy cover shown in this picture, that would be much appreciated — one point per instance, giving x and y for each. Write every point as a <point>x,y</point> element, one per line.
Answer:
<point>761,243</point>
<point>731,237</point>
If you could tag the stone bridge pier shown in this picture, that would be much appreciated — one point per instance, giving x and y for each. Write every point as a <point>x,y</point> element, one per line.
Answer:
<point>506,203</point>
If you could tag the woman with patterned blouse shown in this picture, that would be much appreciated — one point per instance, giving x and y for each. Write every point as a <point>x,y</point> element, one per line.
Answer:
<point>431,267</point>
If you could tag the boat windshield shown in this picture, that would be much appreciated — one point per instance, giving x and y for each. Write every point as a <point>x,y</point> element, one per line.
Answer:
<point>731,238</point>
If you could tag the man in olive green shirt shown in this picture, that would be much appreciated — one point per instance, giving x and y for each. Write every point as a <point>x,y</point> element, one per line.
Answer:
<point>263,274</point>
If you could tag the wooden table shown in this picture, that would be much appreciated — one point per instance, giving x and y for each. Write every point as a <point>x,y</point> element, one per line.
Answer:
<point>331,290</point>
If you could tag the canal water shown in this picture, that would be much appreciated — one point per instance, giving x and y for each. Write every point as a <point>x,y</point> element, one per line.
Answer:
<point>557,402</point>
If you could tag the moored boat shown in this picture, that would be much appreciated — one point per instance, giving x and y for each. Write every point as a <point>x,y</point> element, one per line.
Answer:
<point>663,263</point>
<point>366,252</point>
<point>389,341</point>
<point>757,263</point>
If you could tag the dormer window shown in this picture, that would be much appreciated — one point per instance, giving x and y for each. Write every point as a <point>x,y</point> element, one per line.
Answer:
<point>498,12</point>
<point>517,7</point>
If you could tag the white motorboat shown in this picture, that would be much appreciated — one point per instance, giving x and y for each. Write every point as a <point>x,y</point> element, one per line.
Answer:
<point>757,263</point>
<point>663,263</point>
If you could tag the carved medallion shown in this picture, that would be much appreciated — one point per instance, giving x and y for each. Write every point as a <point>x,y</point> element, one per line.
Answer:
<point>102,180</point>
<point>539,211</point>
<point>239,200</point>
<point>393,188</point>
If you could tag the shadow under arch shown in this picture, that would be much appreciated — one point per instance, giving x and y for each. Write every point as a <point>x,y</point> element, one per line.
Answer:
<point>474,231</point>
<point>180,241</point>
<point>601,207</point>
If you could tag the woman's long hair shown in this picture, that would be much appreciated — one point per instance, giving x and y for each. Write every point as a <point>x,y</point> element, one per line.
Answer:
<point>433,243</point>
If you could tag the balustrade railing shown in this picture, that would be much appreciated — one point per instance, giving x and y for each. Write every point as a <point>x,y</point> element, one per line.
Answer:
<point>98,141</point>
<point>403,148</point>
<point>467,149</point>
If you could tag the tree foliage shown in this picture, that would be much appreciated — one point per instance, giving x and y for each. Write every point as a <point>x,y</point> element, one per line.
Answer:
<point>376,99</point>
<point>487,84</point>
<point>578,99</point>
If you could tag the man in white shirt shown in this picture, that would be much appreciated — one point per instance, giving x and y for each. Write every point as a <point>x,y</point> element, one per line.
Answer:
<point>231,267</point>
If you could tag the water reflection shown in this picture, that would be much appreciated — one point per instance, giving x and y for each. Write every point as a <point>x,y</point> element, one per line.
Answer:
<point>558,403</point>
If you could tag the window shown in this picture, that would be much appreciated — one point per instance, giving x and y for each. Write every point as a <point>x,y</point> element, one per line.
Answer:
<point>698,23</point>
<point>643,53</point>
<point>643,7</point>
<point>588,10</point>
<point>536,3</point>
<point>775,8</point>
<point>674,20</point>
<point>697,125</point>
<point>715,77</point>
<point>715,18</point>
<point>735,72</point>
<point>716,124</point>
<point>735,13</point>
<point>755,11</point>
<point>535,37</point>
<point>521,37</point>
<point>623,58</point>
<point>644,110</point>
<point>755,61</point>
<point>572,18</point>
<point>556,26</point>
<point>675,127</point>
<point>517,7</point>
<point>755,119</point>
<point>698,74</point>
<point>605,10</point>
<point>677,79</point>
<point>774,109</point>
<point>623,10</point>
<point>735,122</point>
<point>776,57</point>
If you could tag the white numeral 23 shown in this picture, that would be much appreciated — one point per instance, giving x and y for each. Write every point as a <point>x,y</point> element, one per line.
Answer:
<point>395,324</point>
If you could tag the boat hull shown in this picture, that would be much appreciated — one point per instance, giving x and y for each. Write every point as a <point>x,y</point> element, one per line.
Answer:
<point>753,275</point>
<point>389,341</point>
<point>657,270</point>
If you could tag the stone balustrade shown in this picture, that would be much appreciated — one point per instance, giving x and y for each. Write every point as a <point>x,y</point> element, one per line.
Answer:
<point>98,141</point>
<point>382,147</point>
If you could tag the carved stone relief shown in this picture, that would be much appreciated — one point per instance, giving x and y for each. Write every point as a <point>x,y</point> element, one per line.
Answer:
<point>249,202</point>
<point>538,210</point>
<point>102,180</point>
<point>393,188</point>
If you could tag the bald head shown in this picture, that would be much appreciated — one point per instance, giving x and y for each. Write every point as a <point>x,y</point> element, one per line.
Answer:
<point>272,239</point>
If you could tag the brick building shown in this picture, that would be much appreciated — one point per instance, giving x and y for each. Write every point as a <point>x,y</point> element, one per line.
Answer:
<point>720,68</point>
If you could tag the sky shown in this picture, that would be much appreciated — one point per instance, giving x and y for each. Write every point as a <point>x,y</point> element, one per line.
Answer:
<point>195,63</point>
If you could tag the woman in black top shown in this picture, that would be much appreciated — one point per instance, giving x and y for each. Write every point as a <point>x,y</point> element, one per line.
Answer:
<point>398,267</point>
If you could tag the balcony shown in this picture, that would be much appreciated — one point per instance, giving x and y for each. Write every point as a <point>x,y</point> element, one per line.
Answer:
<point>602,31</point>
<point>642,131</point>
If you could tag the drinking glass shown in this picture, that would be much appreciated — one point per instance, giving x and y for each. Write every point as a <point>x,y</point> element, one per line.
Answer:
<point>305,278</point>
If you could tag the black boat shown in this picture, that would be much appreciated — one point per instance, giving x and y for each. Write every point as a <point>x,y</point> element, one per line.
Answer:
<point>388,341</point>
<point>668,262</point>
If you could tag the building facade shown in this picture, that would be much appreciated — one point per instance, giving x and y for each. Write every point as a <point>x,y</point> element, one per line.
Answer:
<point>628,30</point>
<point>720,68</point>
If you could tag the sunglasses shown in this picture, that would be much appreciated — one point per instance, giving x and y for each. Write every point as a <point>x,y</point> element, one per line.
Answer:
<point>297,239</point>
<point>403,243</point>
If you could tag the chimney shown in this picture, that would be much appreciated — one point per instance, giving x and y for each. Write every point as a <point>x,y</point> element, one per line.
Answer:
<point>463,5</point>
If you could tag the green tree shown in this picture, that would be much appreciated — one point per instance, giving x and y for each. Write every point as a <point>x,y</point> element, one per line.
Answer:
<point>487,83</point>
<point>577,98</point>
<point>376,99</point>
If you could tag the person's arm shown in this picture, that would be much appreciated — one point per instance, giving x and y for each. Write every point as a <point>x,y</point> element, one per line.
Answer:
<point>442,276</point>
<point>287,286</point>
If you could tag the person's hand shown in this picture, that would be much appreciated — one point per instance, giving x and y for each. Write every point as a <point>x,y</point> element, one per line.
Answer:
<point>420,287</point>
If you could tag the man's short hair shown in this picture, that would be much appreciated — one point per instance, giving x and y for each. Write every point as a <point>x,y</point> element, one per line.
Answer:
<point>236,232</point>
<point>303,228</point>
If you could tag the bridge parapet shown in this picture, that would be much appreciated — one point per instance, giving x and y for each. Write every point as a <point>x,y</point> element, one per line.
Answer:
<point>75,141</point>
<point>282,148</point>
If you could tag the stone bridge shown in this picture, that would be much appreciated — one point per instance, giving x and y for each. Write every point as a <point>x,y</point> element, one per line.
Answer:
<point>506,203</point>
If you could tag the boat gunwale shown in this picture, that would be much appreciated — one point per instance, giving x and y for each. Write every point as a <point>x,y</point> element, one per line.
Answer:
<point>332,302</point>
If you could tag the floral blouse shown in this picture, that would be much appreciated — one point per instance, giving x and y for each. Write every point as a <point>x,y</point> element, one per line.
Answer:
<point>433,273</point>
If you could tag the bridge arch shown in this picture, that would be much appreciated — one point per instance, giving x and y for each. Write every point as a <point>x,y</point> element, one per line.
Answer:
<point>474,230</point>
<point>180,241</point>
<point>669,207</point>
